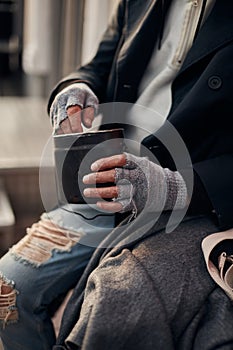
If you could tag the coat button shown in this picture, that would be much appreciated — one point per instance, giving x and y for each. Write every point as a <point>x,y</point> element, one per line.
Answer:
<point>127,86</point>
<point>215,82</point>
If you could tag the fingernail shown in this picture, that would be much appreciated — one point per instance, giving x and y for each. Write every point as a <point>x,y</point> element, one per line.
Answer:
<point>86,179</point>
<point>88,122</point>
<point>86,192</point>
<point>99,204</point>
<point>94,166</point>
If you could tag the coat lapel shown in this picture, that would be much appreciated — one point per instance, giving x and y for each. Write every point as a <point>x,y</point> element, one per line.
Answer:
<point>218,28</point>
<point>139,18</point>
<point>142,28</point>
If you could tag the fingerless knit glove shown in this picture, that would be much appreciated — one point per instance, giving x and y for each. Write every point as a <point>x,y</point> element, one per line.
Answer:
<point>77,94</point>
<point>144,184</point>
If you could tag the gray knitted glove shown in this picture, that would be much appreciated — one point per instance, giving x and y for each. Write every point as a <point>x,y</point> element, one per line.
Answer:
<point>142,183</point>
<point>77,94</point>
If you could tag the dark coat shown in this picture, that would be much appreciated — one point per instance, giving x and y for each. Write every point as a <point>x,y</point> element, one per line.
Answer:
<point>202,93</point>
<point>156,293</point>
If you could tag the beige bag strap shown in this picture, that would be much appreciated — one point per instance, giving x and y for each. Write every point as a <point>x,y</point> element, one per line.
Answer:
<point>223,279</point>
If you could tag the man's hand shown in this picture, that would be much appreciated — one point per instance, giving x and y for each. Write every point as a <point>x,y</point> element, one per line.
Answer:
<point>72,108</point>
<point>139,183</point>
<point>105,172</point>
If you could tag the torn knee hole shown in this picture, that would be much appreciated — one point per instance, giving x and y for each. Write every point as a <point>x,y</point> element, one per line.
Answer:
<point>8,309</point>
<point>41,240</point>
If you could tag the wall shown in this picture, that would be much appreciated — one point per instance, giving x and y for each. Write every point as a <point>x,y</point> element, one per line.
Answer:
<point>96,16</point>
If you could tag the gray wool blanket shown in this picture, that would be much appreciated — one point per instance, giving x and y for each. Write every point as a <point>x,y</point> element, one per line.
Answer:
<point>152,292</point>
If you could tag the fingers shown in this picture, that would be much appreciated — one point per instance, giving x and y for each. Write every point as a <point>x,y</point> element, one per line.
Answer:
<point>75,118</point>
<point>72,123</point>
<point>102,177</point>
<point>68,105</point>
<point>118,193</point>
<point>88,116</point>
<point>113,207</point>
<point>109,162</point>
<point>121,194</point>
<point>104,192</point>
<point>64,127</point>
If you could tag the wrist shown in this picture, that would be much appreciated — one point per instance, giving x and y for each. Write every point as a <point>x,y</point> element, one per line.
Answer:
<point>177,196</point>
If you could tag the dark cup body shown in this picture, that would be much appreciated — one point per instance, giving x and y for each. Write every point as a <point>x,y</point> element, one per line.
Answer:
<point>74,154</point>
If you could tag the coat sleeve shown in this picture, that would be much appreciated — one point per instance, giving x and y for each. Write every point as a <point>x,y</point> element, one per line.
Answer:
<point>121,310</point>
<point>202,117</point>
<point>143,298</point>
<point>97,71</point>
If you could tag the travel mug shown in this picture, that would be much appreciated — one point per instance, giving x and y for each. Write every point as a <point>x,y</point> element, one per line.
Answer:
<point>74,154</point>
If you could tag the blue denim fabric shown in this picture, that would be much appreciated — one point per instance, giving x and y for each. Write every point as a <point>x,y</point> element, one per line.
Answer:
<point>39,286</point>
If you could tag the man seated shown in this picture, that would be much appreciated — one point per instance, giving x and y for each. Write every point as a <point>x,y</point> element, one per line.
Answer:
<point>146,285</point>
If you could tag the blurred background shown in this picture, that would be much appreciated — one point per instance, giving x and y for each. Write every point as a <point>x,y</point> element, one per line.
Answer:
<point>40,42</point>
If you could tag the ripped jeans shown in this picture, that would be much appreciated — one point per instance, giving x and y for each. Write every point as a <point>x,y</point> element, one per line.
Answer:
<point>41,268</point>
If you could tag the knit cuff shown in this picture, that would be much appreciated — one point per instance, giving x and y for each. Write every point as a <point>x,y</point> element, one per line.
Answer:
<point>176,190</point>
